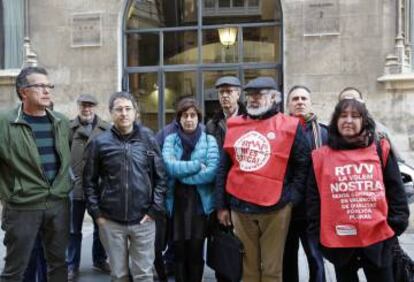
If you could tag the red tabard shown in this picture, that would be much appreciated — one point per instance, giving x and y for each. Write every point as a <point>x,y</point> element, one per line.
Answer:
<point>352,193</point>
<point>260,152</point>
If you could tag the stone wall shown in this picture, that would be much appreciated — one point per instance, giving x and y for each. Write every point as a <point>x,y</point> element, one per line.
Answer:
<point>76,70</point>
<point>354,55</point>
<point>8,95</point>
<point>328,45</point>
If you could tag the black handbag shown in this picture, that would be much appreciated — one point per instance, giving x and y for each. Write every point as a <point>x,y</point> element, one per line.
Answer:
<point>402,265</point>
<point>225,254</point>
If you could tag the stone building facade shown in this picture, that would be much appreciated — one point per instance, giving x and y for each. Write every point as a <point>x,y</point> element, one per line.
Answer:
<point>99,47</point>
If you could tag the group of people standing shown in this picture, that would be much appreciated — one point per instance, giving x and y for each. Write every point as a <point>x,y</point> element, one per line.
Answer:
<point>276,179</point>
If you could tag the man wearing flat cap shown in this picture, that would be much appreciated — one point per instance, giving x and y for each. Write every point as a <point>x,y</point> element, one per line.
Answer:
<point>228,90</point>
<point>83,128</point>
<point>262,174</point>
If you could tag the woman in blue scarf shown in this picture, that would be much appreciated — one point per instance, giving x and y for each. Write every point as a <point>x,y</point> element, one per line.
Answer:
<point>191,158</point>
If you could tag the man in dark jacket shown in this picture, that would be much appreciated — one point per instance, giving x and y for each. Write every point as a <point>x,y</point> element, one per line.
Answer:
<point>34,178</point>
<point>229,90</point>
<point>262,173</point>
<point>125,185</point>
<point>300,105</point>
<point>83,129</point>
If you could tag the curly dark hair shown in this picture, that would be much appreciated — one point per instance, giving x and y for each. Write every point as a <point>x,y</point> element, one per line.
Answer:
<point>368,123</point>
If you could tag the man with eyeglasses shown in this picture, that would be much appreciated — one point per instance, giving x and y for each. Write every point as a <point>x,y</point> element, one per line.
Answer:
<point>262,173</point>
<point>34,178</point>
<point>83,129</point>
<point>228,90</point>
<point>125,184</point>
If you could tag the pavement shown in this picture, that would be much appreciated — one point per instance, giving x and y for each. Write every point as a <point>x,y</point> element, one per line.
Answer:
<point>87,274</point>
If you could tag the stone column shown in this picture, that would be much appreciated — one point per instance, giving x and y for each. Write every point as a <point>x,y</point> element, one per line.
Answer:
<point>29,56</point>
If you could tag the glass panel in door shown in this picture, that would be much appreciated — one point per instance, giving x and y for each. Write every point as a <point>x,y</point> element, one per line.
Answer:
<point>177,86</point>
<point>145,90</point>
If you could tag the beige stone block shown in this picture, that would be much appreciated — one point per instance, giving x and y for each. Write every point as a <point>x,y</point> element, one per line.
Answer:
<point>293,27</point>
<point>322,55</point>
<point>360,7</point>
<point>292,7</point>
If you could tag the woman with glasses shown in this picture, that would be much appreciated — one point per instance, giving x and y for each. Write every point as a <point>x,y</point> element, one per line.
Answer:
<point>356,200</point>
<point>191,158</point>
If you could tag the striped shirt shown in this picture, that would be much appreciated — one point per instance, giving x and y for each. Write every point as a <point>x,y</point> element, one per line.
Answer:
<point>43,133</point>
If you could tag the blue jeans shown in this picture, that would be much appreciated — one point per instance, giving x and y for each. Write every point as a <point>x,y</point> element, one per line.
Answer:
<point>36,270</point>
<point>73,254</point>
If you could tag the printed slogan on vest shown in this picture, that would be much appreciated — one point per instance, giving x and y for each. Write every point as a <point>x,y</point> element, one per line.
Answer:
<point>252,151</point>
<point>357,190</point>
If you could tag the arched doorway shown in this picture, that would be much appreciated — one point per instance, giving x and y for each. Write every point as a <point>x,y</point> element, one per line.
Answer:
<point>174,48</point>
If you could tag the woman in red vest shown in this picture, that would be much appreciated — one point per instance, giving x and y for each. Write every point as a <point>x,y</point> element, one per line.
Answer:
<point>356,200</point>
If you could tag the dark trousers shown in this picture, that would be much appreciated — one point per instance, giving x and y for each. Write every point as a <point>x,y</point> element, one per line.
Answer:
<point>169,258</point>
<point>36,270</point>
<point>77,214</point>
<point>21,230</point>
<point>189,263</point>
<point>160,242</point>
<point>348,272</point>
<point>297,231</point>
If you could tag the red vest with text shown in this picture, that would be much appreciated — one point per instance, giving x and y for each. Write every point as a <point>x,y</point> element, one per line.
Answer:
<point>260,151</point>
<point>352,194</point>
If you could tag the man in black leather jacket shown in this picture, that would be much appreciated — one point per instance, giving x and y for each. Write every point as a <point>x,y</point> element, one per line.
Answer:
<point>125,184</point>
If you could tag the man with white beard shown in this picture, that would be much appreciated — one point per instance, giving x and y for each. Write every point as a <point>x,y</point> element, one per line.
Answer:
<point>262,174</point>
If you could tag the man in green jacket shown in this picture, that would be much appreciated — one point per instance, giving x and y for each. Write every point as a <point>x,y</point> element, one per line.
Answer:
<point>34,178</point>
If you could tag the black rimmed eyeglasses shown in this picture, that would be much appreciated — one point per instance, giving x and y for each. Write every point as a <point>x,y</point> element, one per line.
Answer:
<point>40,85</point>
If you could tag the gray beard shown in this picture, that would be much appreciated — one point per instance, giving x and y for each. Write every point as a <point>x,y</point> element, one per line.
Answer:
<point>258,111</point>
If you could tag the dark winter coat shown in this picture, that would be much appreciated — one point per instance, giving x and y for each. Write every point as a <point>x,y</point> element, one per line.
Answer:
<point>79,138</point>
<point>124,177</point>
<point>299,212</point>
<point>217,125</point>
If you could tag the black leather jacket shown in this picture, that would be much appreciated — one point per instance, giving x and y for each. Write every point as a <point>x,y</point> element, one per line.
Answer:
<point>124,176</point>
<point>217,125</point>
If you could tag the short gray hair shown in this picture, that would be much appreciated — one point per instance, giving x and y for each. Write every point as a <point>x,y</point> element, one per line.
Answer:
<point>278,95</point>
<point>21,79</point>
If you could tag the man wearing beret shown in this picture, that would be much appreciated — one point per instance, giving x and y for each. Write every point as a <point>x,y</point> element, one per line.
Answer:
<point>82,129</point>
<point>262,174</point>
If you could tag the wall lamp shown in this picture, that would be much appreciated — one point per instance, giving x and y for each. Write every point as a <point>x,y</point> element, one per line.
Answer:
<point>228,36</point>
